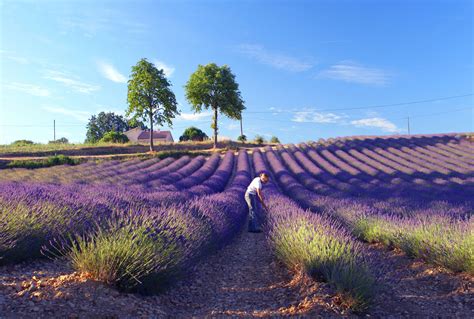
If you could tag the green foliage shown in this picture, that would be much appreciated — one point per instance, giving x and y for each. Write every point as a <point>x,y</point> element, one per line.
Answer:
<point>150,96</point>
<point>242,138</point>
<point>327,256</point>
<point>61,140</point>
<point>134,122</point>
<point>114,137</point>
<point>50,161</point>
<point>259,139</point>
<point>274,140</point>
<point>116,254</point>
<point>437,239</point>
<point>22,143</point>
<point>214,87</point>
<point>193,134</point>
<point>103,123</point>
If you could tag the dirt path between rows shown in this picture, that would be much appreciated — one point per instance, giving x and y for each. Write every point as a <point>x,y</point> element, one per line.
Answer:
<point>244,280</point>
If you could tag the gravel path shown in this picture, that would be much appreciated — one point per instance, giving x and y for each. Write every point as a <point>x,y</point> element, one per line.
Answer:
<point>244,280</point>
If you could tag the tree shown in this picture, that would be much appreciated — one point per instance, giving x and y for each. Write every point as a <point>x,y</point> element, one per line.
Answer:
<point>114,137</point>
<point>150,96</point>
<point>193,134</point>
<point>214,87</point>
<point>259,139</point>
<point>103,123</point>
<point>242,138</point>
<point>274,140</point>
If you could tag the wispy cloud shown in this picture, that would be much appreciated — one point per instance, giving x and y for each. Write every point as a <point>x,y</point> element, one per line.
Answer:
<point>10,55</point>
<point>82,116</point>
<point>349,71</point>
<point>167,69</point>
<point>376,122</point>
<point>31,89</point>
<point>194,116</point>
<point>274,59</point>
<point>317,117</point>
<point>110,72</point>
<point>71,82</point>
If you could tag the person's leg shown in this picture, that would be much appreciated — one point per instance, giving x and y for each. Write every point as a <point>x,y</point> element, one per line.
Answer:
<point>257,214</point>
<point>250,203</point>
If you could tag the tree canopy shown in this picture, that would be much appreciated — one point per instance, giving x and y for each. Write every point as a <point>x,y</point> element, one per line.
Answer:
<point>214,87</point>
<point>114,137</point>
<point>193,134</point>
<point>275,140</point>
<point>106,122</point>
<point>150,97</point>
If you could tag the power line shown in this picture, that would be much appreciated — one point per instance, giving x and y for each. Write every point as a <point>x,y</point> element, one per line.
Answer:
<point>367,107</point>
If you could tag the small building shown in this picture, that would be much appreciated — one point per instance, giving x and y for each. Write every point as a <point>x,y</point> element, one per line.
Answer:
<point>137,135</point>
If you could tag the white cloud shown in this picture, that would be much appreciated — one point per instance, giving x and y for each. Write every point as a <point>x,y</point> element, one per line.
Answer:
<point>28,89</point>
<point>167,69</point>
<point>276,60</point>
<point>82,116</point>
<point>352,72</point>
<point>194,116</point>
<point>110,72</point>
<point>71,82</point>
<point>376,122</point>
<point>317,117</point>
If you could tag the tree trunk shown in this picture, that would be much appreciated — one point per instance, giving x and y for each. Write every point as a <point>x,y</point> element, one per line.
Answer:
<point>215,127</point>
<point>151,132</point>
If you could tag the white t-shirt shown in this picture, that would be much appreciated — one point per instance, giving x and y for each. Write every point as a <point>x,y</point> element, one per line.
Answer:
<point>254,185</point>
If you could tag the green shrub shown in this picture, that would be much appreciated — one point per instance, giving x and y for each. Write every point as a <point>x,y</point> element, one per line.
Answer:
<point>274,140</point>
<point>114,137</point>
<point>50,161</point>
<point>242,138</point>
<point>22,143</point>
<point>193,134</point>
<point>259,139</point>
<point>61,140</point>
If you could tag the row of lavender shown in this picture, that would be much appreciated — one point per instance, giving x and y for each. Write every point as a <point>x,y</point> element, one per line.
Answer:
<point>121,235</point>
<point>367,168</point>
<point>441,232</point>
<point>317,244</point>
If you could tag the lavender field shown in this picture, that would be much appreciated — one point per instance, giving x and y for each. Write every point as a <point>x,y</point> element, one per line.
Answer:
<point>337,209</point>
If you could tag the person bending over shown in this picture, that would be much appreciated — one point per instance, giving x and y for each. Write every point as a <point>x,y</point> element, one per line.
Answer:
<point>254,191</point>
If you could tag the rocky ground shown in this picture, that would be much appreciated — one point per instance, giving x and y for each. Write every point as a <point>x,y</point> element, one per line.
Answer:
<point>241,280</point>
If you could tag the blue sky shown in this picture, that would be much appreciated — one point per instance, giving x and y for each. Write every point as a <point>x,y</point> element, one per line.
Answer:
<point>306,69</point>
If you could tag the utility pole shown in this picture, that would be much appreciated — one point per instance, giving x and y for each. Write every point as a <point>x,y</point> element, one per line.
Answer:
<point>241,130</point>
<point>54,130</point>
<point>408,123</point>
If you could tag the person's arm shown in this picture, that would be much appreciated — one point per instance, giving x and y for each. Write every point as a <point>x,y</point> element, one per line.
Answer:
<point>260,197</point>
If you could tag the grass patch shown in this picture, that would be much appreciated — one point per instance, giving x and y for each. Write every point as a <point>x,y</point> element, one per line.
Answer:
<point>48,162</point>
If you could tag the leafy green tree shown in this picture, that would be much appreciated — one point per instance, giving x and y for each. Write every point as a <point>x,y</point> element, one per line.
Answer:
<point>114,137</point>
<point>102,123</point>
<point>193,134</point>
<point>150,96</point>
<point>259,139</point>
<point>242,138</point>
<point>214,87</point>
<point>274,140</point>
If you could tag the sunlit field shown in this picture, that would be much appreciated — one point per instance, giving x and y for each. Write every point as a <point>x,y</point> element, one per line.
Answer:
<point>141,225</point>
